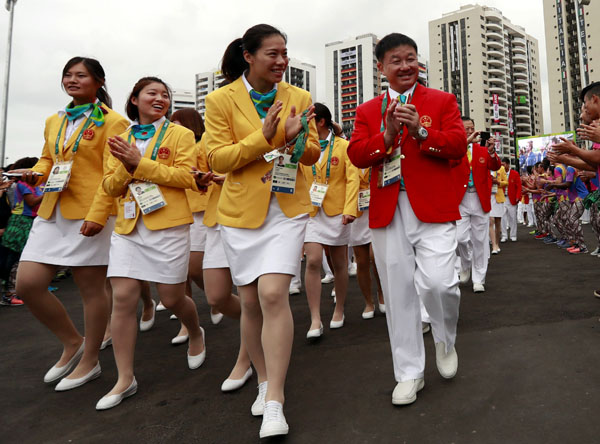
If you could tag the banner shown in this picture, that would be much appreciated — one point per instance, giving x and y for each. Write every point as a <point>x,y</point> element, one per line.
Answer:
<point>511,126</point>
<point>496,108</point>
<point>498,144</point>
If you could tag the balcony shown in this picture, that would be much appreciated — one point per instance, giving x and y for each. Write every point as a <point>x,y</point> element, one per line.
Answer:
<point>497,81</point>
<point>520,67</point>
<point>495,44</point>
<point>494,26</point>
<point>519,58</point>
<point>518,41</point>
<point>521,109</point>
<point>523,125</point>
<point>494,53</point>
<point>522,84</point>
<point>521,92</point>
<point>495,62</point>
<point>493,15</point>
<point>519,50</point>
<point>520,75</point>
<point>496,72</point>
<point>492,35</point>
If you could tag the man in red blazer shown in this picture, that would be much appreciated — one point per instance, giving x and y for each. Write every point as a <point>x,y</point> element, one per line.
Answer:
<point>412,220</point>
<point>472,176</point>
<point>513,193</point>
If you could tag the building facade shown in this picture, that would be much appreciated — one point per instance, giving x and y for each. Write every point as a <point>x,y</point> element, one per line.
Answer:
<point>492,67</point>
<point>206,82</point>
<point>570,38</point>
<point>182,98</point>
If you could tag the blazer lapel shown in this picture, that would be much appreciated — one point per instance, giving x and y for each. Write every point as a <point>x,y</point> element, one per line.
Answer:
<point>71,142</point>
<point>242,100</point>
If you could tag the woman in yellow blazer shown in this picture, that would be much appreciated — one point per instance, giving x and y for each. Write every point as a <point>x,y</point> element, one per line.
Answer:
<point>148,170</point>
<point>262,231</point>
<point>499,184</point>
<point>73,228</point>
<point>330,225</point>
<point>360,241</point>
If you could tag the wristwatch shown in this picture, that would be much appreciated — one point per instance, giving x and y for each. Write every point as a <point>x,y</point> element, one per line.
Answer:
<point>422,133</point>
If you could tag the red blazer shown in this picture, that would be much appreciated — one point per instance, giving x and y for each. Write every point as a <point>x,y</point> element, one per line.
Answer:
<point>426,167</point>
<point>482,163</point>
<point>514,187</point>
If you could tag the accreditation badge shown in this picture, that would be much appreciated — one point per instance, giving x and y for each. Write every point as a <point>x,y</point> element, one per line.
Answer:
<point>148,196</point>
<point>272,155</point>
<point>494,188</point>
<point>58,180</point>
<point>129,209</point>
<point>284,174</point>
<point>391,171</point>
<point>317,193</point>
<point>364,198</point>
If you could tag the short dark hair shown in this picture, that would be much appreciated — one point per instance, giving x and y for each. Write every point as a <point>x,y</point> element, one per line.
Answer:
<point>505,160</point>
<point>96,71</point>
<point>392,41</point>
<point>530,168</point>
<point>467,119</point>
<point>191,119</point>
<point>131,109</point>
<point>546,163</point>
<point>233,63</point>
<point>593,89</point>
<point>322,112</point>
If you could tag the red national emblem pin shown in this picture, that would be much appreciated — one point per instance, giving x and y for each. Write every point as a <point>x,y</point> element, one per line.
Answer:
<point>335,161</point>
<point>481,160</point>
<point>164,153</point>
<point>88,134</point>
<point>426,121</point>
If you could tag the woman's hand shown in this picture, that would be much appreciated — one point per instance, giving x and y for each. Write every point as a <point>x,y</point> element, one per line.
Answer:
<point>219,180</point>
<point>293,123</point>
<point>202,179</point>
<point>90,229</point>
<point>564,147</point>
<point>272,120</point>
<point>589,132</point>
<point>127,153</point>
<point>347,219</point>
<point>28,176</point>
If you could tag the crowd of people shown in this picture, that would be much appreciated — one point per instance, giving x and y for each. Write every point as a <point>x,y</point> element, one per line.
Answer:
<point>267,179</point>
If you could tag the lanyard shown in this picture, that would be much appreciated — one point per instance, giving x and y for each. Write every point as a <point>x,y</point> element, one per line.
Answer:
<point>314,170</point>
<point>62,125</point>
<point>384,105</point>
<point>159,139</point>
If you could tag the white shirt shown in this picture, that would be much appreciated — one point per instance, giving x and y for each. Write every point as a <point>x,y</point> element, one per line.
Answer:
<point>143,144</point>
<point>72,125</point>
<point>393,94</point>
<point>325,150</point>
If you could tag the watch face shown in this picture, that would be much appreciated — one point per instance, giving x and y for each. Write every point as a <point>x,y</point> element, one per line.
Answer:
<point>423,133</point>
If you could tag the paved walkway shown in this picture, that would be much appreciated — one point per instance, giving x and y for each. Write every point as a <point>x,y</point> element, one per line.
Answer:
<point>529,372</point>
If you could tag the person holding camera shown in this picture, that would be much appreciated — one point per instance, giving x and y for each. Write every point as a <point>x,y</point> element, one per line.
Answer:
<point>472,174</point>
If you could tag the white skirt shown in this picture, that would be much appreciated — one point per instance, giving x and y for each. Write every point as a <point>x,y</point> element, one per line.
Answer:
<point>360,233</point>
<point>156,256</point>
<point>57,241</point>
<point>327,230</point>
<point>214,254</point>
<point>275,247</point>
<point>198,232</point>
<point>497,208</point>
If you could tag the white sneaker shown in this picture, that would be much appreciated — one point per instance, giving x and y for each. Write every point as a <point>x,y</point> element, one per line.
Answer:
<point>328,279</point>
<point>447,363</point>
<point>406,391</point>
<point>503,240</point>
<point>294,290</point>
<point>478,288</point>
<point>258,407</point>
<point>273,420</point>
<point>464,276</point>
<point>595,252</point>
<point>352,269</point>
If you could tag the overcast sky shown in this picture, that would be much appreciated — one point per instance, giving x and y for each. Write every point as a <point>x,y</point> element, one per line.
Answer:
<point>175,39</point>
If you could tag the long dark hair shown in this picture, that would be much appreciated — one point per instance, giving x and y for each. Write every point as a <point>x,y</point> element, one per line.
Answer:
<point>322,112</point>
<point>191,119</point>
<point>96,71</point>
<point>132,110</point>
<point>233,63</point>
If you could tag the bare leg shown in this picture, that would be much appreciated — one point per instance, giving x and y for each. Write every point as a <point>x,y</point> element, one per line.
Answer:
<point>108,291</point>
<point>92,286</point>
<point>146,296</point>
<point>362,256</point>
<point>312,282</point>
<point>277,331</point>
<point>498,230</point>
<point>251,325</point>
<point>32,287</point>
<point>339,258</point>
<point>493,237</point>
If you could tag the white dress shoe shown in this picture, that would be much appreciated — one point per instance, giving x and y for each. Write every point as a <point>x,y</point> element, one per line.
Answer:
<point>273,423</point>
<point>216,318</point>
<point>106,343</point>
<point>425,327</point>
<point>315,333</point>
<point>447,363</point>
<point>172,317</point>
<point>108,402</point>
<point>68,384</point>
<point>478,288</point>
<point>258,406</point>
<point>328,279</point>
<point>160,307</point>
<point>337,324</point>
<point>368,314</point>
<point>406,391</point>
<point>56,373</point>
<point>464,276</point>
<point>147,325</point>
<point>196,361</point>
<point>382,308</point>
<point>352,269</point>
<point>230,385</point>
<point>294,290</point>
<point>180,339</point>
<point>503,240</point>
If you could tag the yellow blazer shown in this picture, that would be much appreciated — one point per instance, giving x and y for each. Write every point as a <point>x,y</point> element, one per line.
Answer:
<point>342,193</point>
<point>84,197</point>
<point>235,145</point>
<point>365,184</point>
<point>171,173</point>
<point>198,200</point>
<point>502,184</point>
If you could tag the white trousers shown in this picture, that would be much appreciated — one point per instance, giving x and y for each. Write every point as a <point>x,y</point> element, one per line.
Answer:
<point>472,234</point>
<point>520,211</point>
<point>416,260</point>
<point>531,213</point>
<point>509,220</point>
